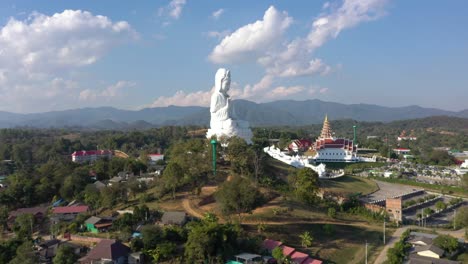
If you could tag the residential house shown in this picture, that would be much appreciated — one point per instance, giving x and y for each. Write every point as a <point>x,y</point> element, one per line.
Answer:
<point>402,151</point>
<point>420,241</point>
<point>153,158</point>
<point>269,245</point>
<point>48,249</point>
<point>96,224</point>
<point>38,212</point>
<point>295,256</point>
<point>115,180</point>
<point>430,251</point>
<point>298,257</point>
<point>107,251</point>
<point>417,259</point>
<point>99,185</point>
<point>174,218</point>
<point>287,251</point>
<point>69,213</point>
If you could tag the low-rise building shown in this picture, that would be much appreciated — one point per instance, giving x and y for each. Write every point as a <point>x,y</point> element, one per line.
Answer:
<point>69,213</point>
<point>174,218</point>
<point>90,155</point>
<point>107,251</point>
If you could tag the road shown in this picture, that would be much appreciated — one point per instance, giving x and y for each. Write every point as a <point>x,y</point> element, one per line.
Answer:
<point>397,234</point>
<point>391,242</point>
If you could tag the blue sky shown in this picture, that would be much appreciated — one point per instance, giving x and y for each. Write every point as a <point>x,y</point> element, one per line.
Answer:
<point>57,55</point>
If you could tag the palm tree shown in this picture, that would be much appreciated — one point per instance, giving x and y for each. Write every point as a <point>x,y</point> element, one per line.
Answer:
<point>306,239</point>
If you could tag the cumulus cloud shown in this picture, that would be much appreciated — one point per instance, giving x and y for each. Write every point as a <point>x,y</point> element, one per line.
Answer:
<point>173,9</point>
<point>111,91</point>
<point>252,40</point>
<point>217,14</point>
<point>200,98</point>
<point>264,42</point>
<point>40,53</point>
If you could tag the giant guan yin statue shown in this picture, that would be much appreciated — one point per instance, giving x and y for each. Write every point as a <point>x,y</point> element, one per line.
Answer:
<point>223,119</point>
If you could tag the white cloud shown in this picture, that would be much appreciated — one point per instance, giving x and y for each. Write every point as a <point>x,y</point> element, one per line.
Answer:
<point>252,40</point>
<point>218,34</point>
<point>173,9</point>
<point>264,42</point>
<point>176,7</point>
<point>283,91</point>
<point>217,14</point>
<point>40,54</point>
<point>200,98</point>
<point>110,92</point>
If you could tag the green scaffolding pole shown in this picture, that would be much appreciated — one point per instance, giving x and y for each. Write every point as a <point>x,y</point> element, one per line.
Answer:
<point>213,144</point>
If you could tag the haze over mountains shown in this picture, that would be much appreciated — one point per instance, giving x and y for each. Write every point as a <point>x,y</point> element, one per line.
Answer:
<point>277,113</point>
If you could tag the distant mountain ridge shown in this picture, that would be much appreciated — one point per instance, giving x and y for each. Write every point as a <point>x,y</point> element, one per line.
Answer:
<point>277,113</point>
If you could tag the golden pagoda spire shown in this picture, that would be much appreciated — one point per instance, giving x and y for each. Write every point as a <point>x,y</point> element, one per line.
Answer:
<point>326,129</point>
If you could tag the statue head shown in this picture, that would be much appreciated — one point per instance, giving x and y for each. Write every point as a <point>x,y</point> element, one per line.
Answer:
<point>222,80</point>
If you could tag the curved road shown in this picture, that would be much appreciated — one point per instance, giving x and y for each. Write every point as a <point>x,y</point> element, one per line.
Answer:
<point>397,234</point>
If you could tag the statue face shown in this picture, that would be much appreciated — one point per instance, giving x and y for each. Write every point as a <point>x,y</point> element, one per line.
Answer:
<point>222,80</point>
<point>226,82</point>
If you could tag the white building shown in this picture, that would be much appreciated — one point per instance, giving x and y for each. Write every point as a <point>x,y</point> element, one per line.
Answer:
<point>90,155</point>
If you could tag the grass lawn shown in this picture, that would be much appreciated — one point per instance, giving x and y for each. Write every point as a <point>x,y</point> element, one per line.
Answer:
<point>344,244</point>
<point>350,185</point>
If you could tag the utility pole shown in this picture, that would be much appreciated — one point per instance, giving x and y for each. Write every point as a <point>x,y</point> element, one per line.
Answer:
<point>366,251</point>
<point>384,231</point>
<point>454,216</point>
<point>213,144</point>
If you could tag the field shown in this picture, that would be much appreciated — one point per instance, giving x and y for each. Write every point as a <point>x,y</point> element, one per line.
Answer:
<point>350,185</point>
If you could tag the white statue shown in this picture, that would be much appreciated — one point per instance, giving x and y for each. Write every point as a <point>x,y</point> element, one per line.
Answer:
<point>223,121</point>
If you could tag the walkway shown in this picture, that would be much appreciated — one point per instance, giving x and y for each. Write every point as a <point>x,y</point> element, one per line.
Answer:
<point>393,239</point>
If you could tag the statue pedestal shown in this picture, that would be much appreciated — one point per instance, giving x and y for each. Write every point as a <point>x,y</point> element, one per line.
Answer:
<point>230,128</point>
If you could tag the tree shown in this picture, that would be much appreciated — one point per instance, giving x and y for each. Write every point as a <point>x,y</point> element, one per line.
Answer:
<point>23,226</point>
<point>65,255</point>
<point>277,254</point>
<point>162,251</point>
<point>465,180</point>
<point>332,212</point>
<point>461,219</point>
<point>446,242</point>
<point>306,239</point>
<point>239,155</point>
<point>440,206</point>
<point>304,183</point>
<point>191,155</point>
<point>25,254</point>
<point>172,177</point>
<point>151,236</point>
<point>207,240</point>
<point>237,196</point>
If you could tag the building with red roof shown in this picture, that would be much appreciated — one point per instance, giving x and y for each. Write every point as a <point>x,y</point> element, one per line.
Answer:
<point>312,261</point>
<point>68,213</point>
<point>300,145</point>
<point>287,250</point>
<point>328,148</point>
<point>90,155</point>
<point>298,257</point>
<point>269,244</point>
<point>402,151</point>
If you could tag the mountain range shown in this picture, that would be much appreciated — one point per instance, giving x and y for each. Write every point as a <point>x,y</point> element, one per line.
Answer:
<point>277,113</point>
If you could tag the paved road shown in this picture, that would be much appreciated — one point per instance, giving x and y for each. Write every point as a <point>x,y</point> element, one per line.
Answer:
<point>396,236</point>
<point>391,242</point>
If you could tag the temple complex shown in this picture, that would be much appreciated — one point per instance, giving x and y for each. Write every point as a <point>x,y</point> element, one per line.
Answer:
<point>330,149</point>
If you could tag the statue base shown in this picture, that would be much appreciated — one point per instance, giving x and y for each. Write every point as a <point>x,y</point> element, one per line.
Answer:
<point>231,128</point>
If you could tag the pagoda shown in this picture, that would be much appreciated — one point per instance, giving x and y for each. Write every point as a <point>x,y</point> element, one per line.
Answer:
<point>331,149</point>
